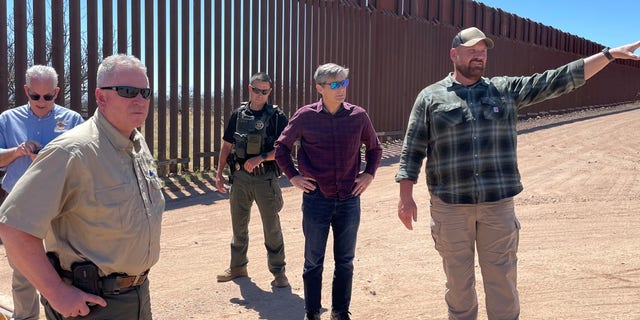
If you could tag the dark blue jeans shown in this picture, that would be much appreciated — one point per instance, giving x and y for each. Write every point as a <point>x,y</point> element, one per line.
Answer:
<point>343,216</point>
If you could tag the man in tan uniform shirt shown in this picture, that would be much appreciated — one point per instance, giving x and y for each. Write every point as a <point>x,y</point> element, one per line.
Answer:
<point>93,195</point>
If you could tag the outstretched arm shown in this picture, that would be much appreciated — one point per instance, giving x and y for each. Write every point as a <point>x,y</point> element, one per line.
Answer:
<point>598,61</point>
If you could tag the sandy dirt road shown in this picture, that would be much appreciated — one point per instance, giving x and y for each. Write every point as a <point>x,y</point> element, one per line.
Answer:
<point>579,255</point>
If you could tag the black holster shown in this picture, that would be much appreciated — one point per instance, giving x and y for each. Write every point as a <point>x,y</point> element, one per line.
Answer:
<point>232,161</point>
<point>84,275</point>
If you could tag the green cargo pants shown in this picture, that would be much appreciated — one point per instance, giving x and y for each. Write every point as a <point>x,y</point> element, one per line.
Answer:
<point>265,191</point>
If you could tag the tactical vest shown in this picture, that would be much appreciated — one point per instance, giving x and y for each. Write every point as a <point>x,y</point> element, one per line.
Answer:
<point>251,134</point>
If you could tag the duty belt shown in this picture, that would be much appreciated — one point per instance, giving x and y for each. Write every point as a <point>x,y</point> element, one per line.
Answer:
<point>90,282</point>
<point>112,284</point>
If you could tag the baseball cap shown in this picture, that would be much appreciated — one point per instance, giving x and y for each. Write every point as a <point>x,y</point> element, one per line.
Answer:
<point>469,37</point>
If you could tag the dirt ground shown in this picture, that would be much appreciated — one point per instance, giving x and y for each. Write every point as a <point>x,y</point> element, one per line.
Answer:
<point>579,255</point>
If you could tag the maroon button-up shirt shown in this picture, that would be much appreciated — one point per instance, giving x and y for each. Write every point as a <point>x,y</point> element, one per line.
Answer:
<point>329,147</point>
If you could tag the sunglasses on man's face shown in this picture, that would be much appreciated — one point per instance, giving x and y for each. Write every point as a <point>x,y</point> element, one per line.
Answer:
<point>36,97</point>
<point>263,92</point>
<point>130,92</point>
<point>337,84</point>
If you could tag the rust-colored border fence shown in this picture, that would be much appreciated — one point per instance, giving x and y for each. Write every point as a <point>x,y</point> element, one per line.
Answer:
<point>201,53</point>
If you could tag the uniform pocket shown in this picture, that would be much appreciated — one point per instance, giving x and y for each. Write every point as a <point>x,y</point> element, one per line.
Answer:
<point>112,201</point>
<point>277,194</point>
<point>114,196</point>
<point>435,234</point>
<point>518,227</point>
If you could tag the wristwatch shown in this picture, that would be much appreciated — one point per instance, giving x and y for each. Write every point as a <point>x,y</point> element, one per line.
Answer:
<point>263,156</point>
<point>607,54</point>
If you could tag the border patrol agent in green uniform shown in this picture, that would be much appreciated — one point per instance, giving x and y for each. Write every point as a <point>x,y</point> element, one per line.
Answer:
<point>248,149</point>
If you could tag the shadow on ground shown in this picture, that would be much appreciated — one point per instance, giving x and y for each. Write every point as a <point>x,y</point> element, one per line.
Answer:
<point>278,304</point>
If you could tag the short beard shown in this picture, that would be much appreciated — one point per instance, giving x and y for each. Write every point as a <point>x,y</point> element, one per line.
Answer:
<point>469,72</point>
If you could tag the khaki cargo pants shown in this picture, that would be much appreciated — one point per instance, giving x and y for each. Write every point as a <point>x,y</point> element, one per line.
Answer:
<point>493,228</point>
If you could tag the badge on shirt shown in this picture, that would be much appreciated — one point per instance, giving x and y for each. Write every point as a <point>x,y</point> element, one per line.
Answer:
<point>61,126</point>
<point>152,168</point>
<point>259,124</point>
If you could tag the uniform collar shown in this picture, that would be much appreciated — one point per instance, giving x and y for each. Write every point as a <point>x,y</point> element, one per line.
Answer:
<point>264,108</point>
<point>114,136</point>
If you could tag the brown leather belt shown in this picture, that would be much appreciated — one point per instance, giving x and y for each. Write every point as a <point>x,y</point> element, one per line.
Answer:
<point>114,283</point>
<point>111,284</point>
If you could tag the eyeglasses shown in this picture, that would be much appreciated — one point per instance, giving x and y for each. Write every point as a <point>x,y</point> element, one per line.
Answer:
<point>263,92</point>
<point>337,84</point>
<point>129,92</point>
<point>36,97</point>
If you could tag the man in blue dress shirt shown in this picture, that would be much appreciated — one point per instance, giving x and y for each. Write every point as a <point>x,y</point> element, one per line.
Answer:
<point>24,130</point>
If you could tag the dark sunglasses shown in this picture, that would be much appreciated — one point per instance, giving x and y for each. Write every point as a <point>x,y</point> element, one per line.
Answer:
<point>36,97</point>
<point>263,92</point>
<point>129,92</point>
<point>337,84</point>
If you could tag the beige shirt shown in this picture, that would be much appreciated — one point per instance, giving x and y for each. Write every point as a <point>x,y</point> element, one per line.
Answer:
<point>93,195</point>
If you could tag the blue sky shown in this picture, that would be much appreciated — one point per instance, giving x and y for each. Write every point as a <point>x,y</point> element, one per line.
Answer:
<point>609,23</point>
